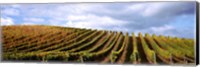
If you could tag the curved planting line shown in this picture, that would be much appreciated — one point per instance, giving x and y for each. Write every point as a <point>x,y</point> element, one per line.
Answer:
<point>20,43</point>
<point>181,44</point>
<point>80,45</point>
<point>135,57</point>
<point>109,57</point>
<point>37,45</point>
<point>106,49</point>
<point>77,43</point>
<point>99,41</point>
<point>88,54</point>
<point>109,41</point>
<point>115,54</point>
<point>106,42</point>
<point>189,42</point>
<point>164,55</point>
<point>17,43</point>
<point>35,56</point>
<point>19,33</point>
<point>150,54</point>
<point>87,44</point>
<point>28,34</point>
<point>40,43</point>
<point>23,44</point>
<point>65,39</point>
<point>123,55</point>
<point>184,52</point>
<point>164,45</point>
<point>111,44</point>
<point>100,44</point>
<point>46,43</point>
<point>63,44</point>
<point>187,53</point>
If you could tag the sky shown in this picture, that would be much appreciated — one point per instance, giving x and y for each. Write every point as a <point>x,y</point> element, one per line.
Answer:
<point>175,19</point>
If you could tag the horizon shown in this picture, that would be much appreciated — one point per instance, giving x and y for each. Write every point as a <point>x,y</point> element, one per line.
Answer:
<point>123,33</point>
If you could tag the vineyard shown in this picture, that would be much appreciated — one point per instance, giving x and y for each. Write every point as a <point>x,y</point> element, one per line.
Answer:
<point>64,44</point>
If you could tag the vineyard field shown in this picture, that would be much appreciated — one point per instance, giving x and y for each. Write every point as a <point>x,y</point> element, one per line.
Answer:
<point>40,43</point>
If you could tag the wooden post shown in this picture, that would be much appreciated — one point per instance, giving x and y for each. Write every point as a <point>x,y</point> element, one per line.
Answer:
<point>185,60</point>
<point>155,58</point>
<point>171,59</point>
<point>81,57</point>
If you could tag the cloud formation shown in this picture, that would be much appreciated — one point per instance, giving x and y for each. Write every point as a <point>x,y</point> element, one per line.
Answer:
<point>6,21</point>
<point>10,12</point>
<point>145,17</point>
<point>34,19</point>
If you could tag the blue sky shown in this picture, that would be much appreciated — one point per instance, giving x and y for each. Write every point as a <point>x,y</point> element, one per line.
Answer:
<point>162,18</point>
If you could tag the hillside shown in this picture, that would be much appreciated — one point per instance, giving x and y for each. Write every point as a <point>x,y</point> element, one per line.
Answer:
<point>64,44</point>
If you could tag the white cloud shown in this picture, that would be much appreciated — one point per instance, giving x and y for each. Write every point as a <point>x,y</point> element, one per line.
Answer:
<point>165,30</point>
<point>159,8</point>
<point>145,9</point>
<point>16,6</point>
<point>28,23</point>
<point>6,21</point>
<point>93,21</point>
<point>162,28</point>
<point>34,19</point>
<point>136,7</point>
<point>131,17</point>
<point>153,9</point>
<point>11,12</point>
